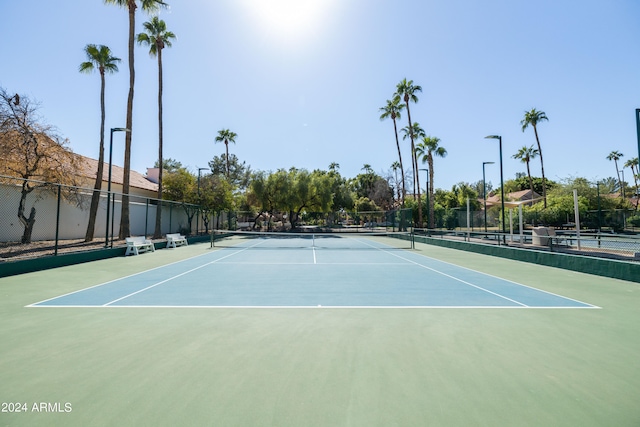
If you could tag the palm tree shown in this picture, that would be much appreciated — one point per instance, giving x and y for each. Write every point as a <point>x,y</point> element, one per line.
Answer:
<point>425,150</point>
<point>333,166</point>
<point>532,118</point>
<point>525,155</point>
<point>100,58</point>
<point>226,136</point>
<point>394,167</point>
<point>157,38</point>
<point>633,164</point>
<point>615,156</point>
<point>406,91</point>
<point>418,133</point>
<point>148,6</point>
<point>393,109</point>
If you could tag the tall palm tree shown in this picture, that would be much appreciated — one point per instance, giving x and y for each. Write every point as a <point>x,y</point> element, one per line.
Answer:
<point>525,155</point>
<point>148,6</point>
<point>333,166</point>
<point>633,164</point>
<point>100,58</point>
<point>406,91</point>
<point>394,167</point>
<point>425,150</point>
<point>418,133</point>
<point>532,118</point>
<point>157,38</point>
<point>393,109</point>
<point>226,136</point>
<point>615,156</point>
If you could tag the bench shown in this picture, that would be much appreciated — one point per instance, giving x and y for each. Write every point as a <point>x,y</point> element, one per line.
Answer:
<point>176,239</point>
<point>138,244</point>
<point>556,239</point>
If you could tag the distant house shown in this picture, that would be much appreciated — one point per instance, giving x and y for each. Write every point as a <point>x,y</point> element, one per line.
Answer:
<point>139,185</point>
<point>516,196</point>
<point>73,216</point>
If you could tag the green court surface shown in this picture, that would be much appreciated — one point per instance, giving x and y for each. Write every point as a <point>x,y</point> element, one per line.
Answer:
<point>319,366</point>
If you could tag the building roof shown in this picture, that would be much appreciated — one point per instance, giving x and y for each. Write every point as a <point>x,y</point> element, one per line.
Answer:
<point>523,195</point>
<point>88,168</point>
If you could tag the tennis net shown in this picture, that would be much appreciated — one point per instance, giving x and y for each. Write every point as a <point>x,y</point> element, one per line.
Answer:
<point>312,239</point>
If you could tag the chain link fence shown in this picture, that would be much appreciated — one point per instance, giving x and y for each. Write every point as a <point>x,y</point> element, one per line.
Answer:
<point>42,219</point>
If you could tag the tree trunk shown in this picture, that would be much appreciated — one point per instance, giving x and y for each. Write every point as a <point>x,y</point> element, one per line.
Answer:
<point>158,229</point>
<point>415,163</point>
<point>395,129</point>
<point>26,222</point>
<point>544,181</point>
<point>95,198</point>
<point>125,230</point>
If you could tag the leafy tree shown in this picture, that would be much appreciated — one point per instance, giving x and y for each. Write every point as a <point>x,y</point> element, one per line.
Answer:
<point>182,186</point>
<point>215,195</point>
<point>100,58</point>
<point>364,204</point>
<point>373,187</point>
<point>532,118</point>
<point>148,6</point>
<point>169,165</point>
<point>392,110</point>
<point>157,38</point>
<point>342,195</point>
<point>33,151</point>
<point>239,173</point>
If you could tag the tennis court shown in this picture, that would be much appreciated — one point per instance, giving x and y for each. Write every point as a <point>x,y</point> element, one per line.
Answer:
<point>318,331</point>
<point>312,270</point>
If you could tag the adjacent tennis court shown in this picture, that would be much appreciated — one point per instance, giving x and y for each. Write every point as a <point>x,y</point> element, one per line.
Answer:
<point>319,330</point>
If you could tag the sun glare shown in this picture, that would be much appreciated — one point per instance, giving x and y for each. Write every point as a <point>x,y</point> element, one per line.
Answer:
<point>290,21</point>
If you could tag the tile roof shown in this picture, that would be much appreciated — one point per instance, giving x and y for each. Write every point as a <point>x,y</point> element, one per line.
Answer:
<point>88,167</point>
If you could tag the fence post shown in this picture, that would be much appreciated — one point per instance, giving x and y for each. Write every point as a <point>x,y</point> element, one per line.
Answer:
<point>55,252</point>
<point>146,218</point>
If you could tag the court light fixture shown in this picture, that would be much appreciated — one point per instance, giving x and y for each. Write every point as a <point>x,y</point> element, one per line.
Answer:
<point>106,234</point>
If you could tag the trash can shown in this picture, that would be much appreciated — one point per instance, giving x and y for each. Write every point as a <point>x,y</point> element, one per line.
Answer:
<point>540,236</point>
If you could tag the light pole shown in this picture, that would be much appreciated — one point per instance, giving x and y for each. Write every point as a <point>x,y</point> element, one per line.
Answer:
<point>504,223</point>
<point>484,193</point>
<point>638,128</point>
<point>106,233</point>
<point>428,205</point>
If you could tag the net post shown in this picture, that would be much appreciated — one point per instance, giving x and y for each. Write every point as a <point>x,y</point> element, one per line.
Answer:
<point>213,239</point>
<point>413,241</point>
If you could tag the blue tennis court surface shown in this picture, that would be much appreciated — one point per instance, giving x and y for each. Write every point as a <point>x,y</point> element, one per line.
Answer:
<point>253,274</point>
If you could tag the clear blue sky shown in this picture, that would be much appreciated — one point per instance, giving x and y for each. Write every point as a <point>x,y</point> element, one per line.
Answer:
<point>301,81</point>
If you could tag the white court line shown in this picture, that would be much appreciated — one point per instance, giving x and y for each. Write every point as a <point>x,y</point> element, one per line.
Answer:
<point>176,276</point>
<point>287,307</point>
<point>119,278</point>
<point>455,278</point>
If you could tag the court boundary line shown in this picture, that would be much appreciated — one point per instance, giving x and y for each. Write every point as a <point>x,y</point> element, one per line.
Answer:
<point>174,277</point>
<point>35,304</point>
<point>486,274</point>
<point>509,280</point>
<point>306,307</point>
<point>240,250</point>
